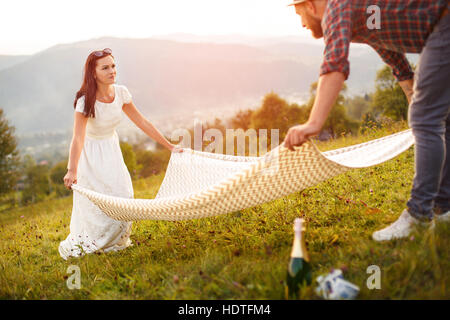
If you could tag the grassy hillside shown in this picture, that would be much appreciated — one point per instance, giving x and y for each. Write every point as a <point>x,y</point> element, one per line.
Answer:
<point>241,255</point>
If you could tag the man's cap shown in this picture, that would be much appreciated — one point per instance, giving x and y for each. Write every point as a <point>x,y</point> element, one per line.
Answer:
<point>296,2</point>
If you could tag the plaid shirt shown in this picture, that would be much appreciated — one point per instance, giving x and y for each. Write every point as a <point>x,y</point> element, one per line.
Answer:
<point>405,27</point>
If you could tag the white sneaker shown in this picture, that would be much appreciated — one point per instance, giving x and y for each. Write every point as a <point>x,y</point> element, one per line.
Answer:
<point>443,217</point>
<point>400,229</point>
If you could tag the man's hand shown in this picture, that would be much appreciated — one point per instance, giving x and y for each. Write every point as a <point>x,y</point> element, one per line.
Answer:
<point>328,89</point>
<point>298,135</point>
<point>408,88</point>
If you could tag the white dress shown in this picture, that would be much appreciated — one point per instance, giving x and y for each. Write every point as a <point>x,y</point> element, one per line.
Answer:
<point>101,168</point>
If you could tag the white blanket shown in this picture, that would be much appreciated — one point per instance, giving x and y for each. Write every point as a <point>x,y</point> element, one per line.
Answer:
<point>200,184</point>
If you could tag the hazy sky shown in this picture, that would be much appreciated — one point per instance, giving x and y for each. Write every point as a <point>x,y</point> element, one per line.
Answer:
<point>28,26</point>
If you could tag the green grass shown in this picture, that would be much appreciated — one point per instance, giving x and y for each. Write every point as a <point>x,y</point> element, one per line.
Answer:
<point>241,255</point>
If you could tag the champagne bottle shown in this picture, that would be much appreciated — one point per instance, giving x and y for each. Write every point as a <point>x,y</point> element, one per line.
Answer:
<point>299,269</point>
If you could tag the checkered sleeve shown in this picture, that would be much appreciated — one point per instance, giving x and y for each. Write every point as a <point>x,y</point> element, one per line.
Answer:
<point>398,62</point>
<point>337,28</point>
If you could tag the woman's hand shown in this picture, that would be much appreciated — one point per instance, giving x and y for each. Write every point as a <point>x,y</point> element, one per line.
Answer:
<point>176,149</point>
<point>70,178</point>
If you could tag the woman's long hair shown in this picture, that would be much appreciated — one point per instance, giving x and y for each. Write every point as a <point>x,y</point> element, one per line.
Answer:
<point>89,87</point>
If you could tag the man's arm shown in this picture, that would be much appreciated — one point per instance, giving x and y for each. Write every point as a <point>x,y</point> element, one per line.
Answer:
<point>401,69</point>
<point>328,89</point>
<point>335,69</point>
<point>408,88</point>
<point>398,62</point>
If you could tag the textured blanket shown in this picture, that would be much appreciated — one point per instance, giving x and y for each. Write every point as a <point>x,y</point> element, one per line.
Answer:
<point>200,184</point>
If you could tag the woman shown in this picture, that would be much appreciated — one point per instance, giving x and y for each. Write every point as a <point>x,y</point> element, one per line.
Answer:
<point>96,161</point>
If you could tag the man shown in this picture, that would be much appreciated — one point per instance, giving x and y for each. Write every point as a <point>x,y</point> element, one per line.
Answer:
<point>406,26</point>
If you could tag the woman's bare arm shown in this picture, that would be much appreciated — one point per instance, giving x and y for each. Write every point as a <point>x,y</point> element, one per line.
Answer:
<point>76,146</point>
<point>142,123</point>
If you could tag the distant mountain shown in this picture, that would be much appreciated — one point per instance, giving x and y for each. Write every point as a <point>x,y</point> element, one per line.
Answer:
<point>169,77</point>
<point>164,77</point>
<point>307,51</point>
<point>9,61</point>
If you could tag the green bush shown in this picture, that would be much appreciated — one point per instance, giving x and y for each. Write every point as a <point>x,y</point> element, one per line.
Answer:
<point>57,174</point>
<point>37,183</point>
<point>152,162</point>
<point>129,158</point>
<point>9,157</point>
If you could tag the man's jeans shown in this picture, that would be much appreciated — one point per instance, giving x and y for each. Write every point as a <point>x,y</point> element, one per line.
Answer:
<point>429,118</point>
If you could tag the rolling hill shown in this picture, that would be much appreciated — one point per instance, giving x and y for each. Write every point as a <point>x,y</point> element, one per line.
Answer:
<point>168,77</point>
